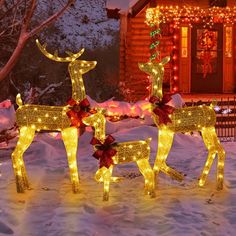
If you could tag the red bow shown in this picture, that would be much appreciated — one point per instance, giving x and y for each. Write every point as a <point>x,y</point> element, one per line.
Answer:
<point>105,151</point>
<point>162,110</point>
<point>78,111</point>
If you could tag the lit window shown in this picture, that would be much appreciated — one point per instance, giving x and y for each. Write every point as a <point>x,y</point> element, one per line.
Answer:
<point>184,42</point>
<point>228,41</point>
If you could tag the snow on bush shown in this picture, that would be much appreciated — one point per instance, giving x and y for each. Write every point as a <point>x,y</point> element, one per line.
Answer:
<point>83,25</point>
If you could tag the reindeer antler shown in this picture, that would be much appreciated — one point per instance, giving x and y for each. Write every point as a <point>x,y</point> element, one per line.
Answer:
<point>55,57</point>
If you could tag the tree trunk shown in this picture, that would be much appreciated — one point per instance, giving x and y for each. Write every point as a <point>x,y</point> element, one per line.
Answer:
<point>4,71</point>
<point>25,35</point>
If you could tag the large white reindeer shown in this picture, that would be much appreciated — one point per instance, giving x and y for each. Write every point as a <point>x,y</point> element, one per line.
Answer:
<point>133,151</point>
<point>187,119</point>
<point>32,118</point>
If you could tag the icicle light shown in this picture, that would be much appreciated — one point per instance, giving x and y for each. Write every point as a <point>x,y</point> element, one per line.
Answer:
<point>187,14</point>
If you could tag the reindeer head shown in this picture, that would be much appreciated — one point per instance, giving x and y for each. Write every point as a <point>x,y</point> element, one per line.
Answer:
<point>72,58</point>
<point>76,69</point>
<point>156,72</point>
<point>98,121</point>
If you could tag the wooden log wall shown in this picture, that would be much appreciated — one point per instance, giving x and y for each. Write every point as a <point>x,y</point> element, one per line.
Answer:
<point>134,48</point>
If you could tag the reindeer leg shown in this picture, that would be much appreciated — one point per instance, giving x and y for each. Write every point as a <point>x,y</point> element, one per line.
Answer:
<point>165,140</point>
<point>214,141</point>
<point>26,137</point>
<point>107,173</point>
<point>209,143</point>
<point>207,167</point>
<point>70,139</point>
<point>148,174</point>
<point>220,167</point>
<point>213,145</point>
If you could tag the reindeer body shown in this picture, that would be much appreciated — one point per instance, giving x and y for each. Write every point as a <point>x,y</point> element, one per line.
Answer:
<point>35,118</point>
<point>53,118</point>
<point>186,119</point>
<point>133,151</point>
<point>125,151</point>
<point>189,119</point>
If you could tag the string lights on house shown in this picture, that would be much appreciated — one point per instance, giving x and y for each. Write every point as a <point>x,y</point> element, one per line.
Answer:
<point>175,52</point>
<point>190,15</point>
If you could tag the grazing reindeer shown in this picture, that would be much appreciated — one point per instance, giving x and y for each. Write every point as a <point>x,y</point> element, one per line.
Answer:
<point>134,151</point>
<point>32,118</point>
<point>187,119</point>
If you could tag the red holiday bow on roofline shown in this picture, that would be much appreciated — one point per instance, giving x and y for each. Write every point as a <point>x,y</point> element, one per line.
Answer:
<point>162,110</point>
<point>78,111</point>
<point>105,151</point>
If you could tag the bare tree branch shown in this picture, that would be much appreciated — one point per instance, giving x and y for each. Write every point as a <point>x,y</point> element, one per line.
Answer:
<point>51,19</point>
<point>1,3</point>
<point>25,32</point>
<point>28,15</point>
<point>7,12</point>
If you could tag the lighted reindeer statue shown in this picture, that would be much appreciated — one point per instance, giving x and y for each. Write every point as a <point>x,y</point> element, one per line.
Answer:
<point>110,154</point>
<point>32,118</point>
<point>187,119</point>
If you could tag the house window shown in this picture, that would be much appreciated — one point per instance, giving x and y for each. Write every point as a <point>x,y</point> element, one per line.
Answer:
<point>184,42</point>
<point>228,41</point>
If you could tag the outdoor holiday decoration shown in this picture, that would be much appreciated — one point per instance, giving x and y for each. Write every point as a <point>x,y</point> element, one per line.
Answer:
<point>109,153</point>
<point>155,34</point>
<point>32,118</point>
<point>170,121</point>
<point>207,41</point>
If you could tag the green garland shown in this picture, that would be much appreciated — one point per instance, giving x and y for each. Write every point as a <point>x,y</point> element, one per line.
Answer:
<point>155,42</point>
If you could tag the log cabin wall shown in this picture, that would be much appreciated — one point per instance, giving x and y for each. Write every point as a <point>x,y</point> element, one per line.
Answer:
<point>134,48</point>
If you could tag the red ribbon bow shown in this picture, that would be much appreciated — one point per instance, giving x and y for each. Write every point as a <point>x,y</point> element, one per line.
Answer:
<point>162,110</point>
<point>105,151</point>
<point>78,111</point>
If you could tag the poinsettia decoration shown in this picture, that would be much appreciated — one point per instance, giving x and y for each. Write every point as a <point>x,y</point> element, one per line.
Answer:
<point>105,151</point>
<point>79,110</point>
<point>161,109</point>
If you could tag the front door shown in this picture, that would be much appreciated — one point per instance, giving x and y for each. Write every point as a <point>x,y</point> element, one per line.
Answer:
<point>207,59</point>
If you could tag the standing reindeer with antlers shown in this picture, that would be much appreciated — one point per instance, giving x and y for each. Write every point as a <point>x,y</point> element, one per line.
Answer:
<point>32,118</point>
<point>170,121</point>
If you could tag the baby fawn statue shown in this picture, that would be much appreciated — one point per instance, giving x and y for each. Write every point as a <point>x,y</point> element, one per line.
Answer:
<point>110,154</point>
<point>187,119</point>
<point>32,118</point>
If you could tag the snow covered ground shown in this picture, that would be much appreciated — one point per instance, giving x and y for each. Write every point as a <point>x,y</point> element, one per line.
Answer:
<point>51,208</point>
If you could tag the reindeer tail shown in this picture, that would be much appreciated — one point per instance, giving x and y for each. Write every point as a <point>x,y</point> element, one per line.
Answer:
<point>18,100</point>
